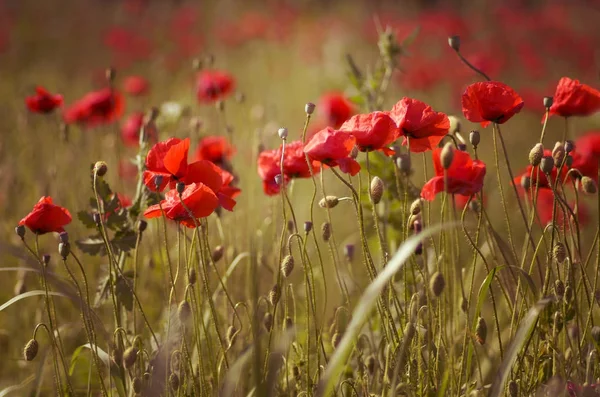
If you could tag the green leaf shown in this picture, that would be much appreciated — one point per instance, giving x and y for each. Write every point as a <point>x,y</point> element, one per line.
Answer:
<point>117,219</point>
<point>87,219</point>
<point>92,245</point>
<point>125,240</point>
<point>103,190</point>
<point>124,293</point>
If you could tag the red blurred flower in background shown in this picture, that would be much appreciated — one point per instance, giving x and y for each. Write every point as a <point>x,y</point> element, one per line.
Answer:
<point>46,217</point>
<point>373,131</point>
<point>490,101</point>
<point>465,176</point>
<point>136,86</point>
<point>212,85</point>
<point>215,149</point>
<point>131,128</point>
<point>95,108</point>
<point>199,199</point>
<point>336,108</point>
<point>587,154</point>
<point>332,147</point>
<point>544,206</point>
<point>423,128</point>
<point>43,101</point>
<point>573,98</point>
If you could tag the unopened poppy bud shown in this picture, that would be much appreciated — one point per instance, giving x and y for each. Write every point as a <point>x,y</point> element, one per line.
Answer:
<point>326,231</point>
<point>454,42</point>
<point>31,350</point>
<point>46,259</point>
<point>64,249</point>
<point>437,284</point>
<point>283,133</point>
<point>474,138</point>
<point>174,381</point>
<point>547,164</point>
<point>376,189</point>
<point>192,277</point>
<point>558,153</point>
<point>231,335</point>
<point>403,163</point>
<point>184,311</point>
<point>559,252</point>
<point>158,180</point>
<point>569,146</point>
<point>20,230</point>
<point>548,101</point>
<point>274,295</point>
<point>180,186</point>
<point>63,237</point>
<point>588,185</point>
<point>217,253</point>
<point>349,250</point>
<point>513,388</point>
<point>268,321</point>
<point>336,339</point>
<point>447,155</point>
<point>536,154</point>
<point>308,225</point>
<point>309,108</point>
<point>568,293</point>
<point>526,182</point>
<point>481,331</point>
<point>415,207</point>
<point>329,202</point>
<point>596,333</point>
<point>100,168</point>
<point>475,205</point>
<point>354,152</point>
<point>130,357</point>
<point>462,147</point>
<point>278,179</point>
<point>136,385</point>
<point>287,265</point>
<point>142,225</point>
<point>559,288</point>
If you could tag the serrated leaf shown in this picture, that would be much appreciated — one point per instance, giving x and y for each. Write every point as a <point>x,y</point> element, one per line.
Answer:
<point>112,204</point>
<point>87,219</point>
<point>92,245</point>
<point>103,190</point>
<point>123,291</point>
<point>125,240</point>
<point>117,219</point>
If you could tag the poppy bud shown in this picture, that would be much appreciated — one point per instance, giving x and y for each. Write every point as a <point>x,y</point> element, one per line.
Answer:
<point>287,265</point>
<point>278,179</point>
<point>349,250</point>
<point>180,186</point>
<point>447,155</point>
<point>217,253</point>
<point>588,185</point>
<point>192,277</point>
<point>184,311</point>
<point>462,147</point>
<point>536,154</point>
<point>454,42</point>
<point>31,350</point>
<point>547,164</point>
<point>559,288</point>
<point>474,138</point>
<point>569,146</point>
<point>20,230</point>
<point>326,231</point>
<point>568,293</point>
<point>309,108</point>
<point>283,133</point>
<point>437,284</point>
<point>558,154</point>
<point>513,388</point>
<point>64,249</point>
<point>335,339</point>
<point>596,333</point>
<point>268,321</point>
<point>329,202</point>
<point>308,225</point>
<point>63,237</point>
<point>130,357</point>
<point>136,385</point>
<point>174,381</point>
<point>142,225</point>
<point>559,252</point>
<point>526,182</point>
<point>231,335</point>
<point>481,331</point>
<point>376,189</point>
<point>475,205</point>
<point>100,168</point>
<point>158,180</point>
<point>46,259</point>
<point>403,163</point>
<point>548,102</point>
<point>274,295</point>
<point>415,207</point>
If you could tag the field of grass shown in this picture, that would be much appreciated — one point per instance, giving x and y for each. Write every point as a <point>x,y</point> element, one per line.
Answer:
<point>299,198</point>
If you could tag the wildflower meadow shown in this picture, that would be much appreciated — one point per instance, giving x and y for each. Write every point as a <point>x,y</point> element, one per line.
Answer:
<point>299,198</point>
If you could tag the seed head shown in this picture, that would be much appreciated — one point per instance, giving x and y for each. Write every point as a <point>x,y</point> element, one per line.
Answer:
<point>568,293</point>
<point>180,186</point>
<point>231,335</point>
<point>283,133</point>
<point>274,295</point>
<point>474,138</point>
<point>20,230</point>
<point>547,164</point>
<point>184,311</point>
<point>217,253</point>
<point>569,146</point>
<point>548,102</point>
<point>558,153</point>
<point>536,154</point>
<point>376,189</point>
<point>268,321</point>
<point>559,252</point>
<point>287,265</point>
<point>513,388</point>
<point>31,350</point>
<point>64,249</point>
<point>141,226</point>
<point>100,168</point>
<point>309,108</point>
<point>475,205</point>
<point>462,147</point>
<point>588,185</point>
<point>329,202</point>
<point>454,42</point>
<point>308,225</point>
<point>415,207</point>
<point>174,381</point>
<point>130,357</point>
<point>437,284</point>
<point>447,155</point>
<point>326,231</point>
<point>559,288</point>
<point>481,331</point>
<point>158,180</point>
<point>403,163</point>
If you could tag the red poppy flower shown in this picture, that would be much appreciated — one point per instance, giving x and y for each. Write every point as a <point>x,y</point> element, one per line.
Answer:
<point>212,85</point>
<point>545,204</point>
<point>226,193</point>
<point>130,130</point>
<point>43,101</point>
<point>332,147</point>
<point>573,98</point>
<point>373,131</point>
<point>587,154</point>
<point>539,178</point>
<point>423,128</point>
<point>465,176</point>
<point>294,166</point>
<point>136,86</point>
<point>490,101</point>
<point>95,108</point>
<point>46,217</point>
<point>336,108</point>
<point>199,199</point>
<point>215,149</point>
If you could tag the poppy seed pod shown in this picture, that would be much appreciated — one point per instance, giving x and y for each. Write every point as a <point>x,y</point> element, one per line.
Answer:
<point>559,288</point>
<point>569,146</point>
<point>326,231</point>
<point>274,295</point>
<point>174,381</point>
<point>309,108</point>
<point>217,253</point>
<point>559,252</point>
<point>31,350</point>
<point>20,230</point>
<point>180,186</point>
<point>130,357</point>
<point>268,321</point>
<point>283,133</point>
<point>158,180</point>
<point>513,388</point>
<point>548,101</point>
<point>481,331</point>
<point>415,207</point>
<point>437,284</point>
<point>64,249</point>
<point>376,189</point>
<point>329,202</point>
<point>308,225</point>
<point>142,225</point>
<point>454,42</point>
<point>100,168</point>
<point>547,164</point>
<point>526,182</point>
<point>287,265</point>
<point>588,185</point>
<point>536,154</point>
<point>558,154</point>
<point>447,155</point>
<point>474,138</point>
<point>110,74</point>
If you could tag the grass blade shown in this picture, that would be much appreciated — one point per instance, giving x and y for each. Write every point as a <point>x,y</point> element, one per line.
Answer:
<point>28,294</point>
